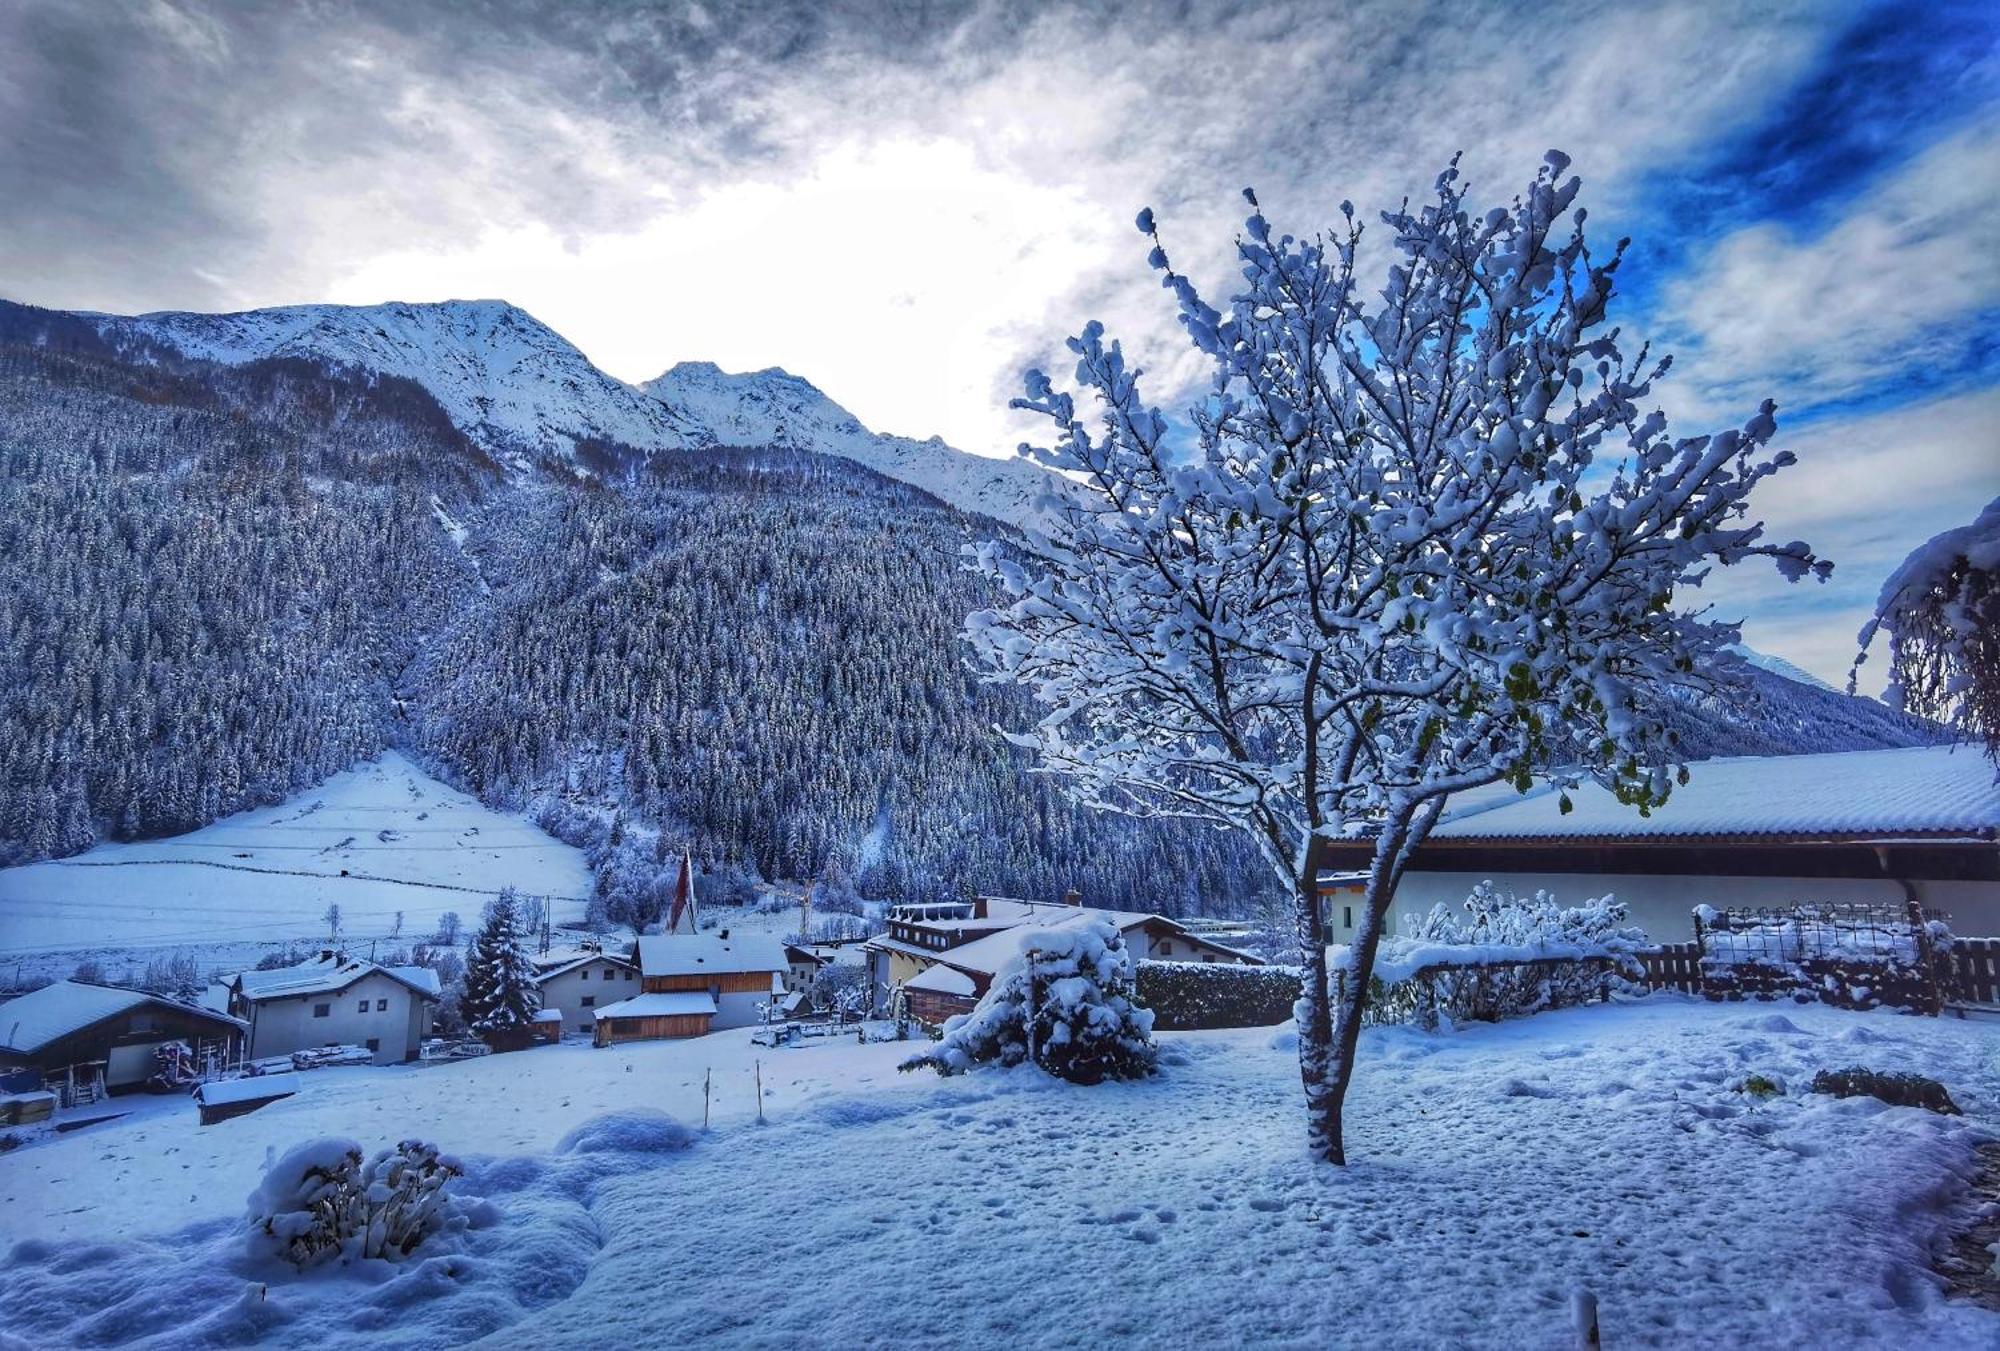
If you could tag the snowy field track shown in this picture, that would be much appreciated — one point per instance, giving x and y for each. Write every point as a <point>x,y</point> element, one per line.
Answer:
<point>380,838</point>
<point>1497,1170</point>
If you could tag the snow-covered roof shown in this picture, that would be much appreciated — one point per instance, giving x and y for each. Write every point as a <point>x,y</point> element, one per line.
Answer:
<point>547,1016</point>
<point>678,1003</point>
<point>329,975</point>
<point>1924,791</point>
<point>942,980</point>
<point>550,965</point>
<point>33,1020</point>
<point>697,954</point>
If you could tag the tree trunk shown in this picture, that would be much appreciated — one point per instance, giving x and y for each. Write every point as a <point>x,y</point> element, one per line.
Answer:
<point>1315,1021</point>
<point>1327,1044</point>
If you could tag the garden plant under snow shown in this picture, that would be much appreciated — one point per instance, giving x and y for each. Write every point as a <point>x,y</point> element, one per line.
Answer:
<point>1066,1003</point>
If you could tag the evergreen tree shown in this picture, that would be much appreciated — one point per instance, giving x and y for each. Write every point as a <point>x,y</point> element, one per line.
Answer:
<point>500,997</point>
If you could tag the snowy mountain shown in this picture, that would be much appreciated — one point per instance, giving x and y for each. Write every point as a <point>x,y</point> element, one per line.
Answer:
<point>521,391</point>
<point>775,408</point>
<point>1778,666</point>
<point>504,378</point>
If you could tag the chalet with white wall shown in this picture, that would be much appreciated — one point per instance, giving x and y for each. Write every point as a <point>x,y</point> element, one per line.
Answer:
<point>577,983</point>
<point>335,1001</point>
<point>1763,831</point>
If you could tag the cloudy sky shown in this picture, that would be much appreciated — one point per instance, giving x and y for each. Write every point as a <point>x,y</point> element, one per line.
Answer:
<point>907,201</point>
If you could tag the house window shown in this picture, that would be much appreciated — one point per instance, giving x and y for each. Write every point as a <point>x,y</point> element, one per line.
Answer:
<point>628,973</point>
<point>1166,949</point>
<point>607,973</point>
<point>322,1010</point>
<point>1347,917</point>
<point>583,974</point>
<point>381,1006</point>
<point>589,1001</point>
<point>374,1043</point>
<point>363,1008</point>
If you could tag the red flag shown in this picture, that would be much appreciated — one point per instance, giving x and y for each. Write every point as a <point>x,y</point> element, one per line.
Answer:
<point>683,896</point>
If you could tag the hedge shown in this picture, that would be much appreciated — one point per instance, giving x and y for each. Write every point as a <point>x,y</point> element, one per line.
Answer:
<point>1190,996</point>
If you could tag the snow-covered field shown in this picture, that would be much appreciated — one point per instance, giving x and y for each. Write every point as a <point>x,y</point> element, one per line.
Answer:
<point>380,838</point>
<point>1498,1169</point>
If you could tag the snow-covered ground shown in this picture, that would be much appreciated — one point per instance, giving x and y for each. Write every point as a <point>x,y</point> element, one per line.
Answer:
<point>1498,1169</point>
<point>380,838</point>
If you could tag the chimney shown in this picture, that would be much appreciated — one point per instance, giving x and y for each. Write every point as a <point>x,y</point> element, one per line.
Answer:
<point>1073,897</point>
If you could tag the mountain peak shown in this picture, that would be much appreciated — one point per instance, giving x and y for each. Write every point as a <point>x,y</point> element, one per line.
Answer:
<point>520,390</point>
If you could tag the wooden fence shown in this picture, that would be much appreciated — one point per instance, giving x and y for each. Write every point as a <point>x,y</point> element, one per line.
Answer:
<point>1966,975</point>
<point>1972,972</point>
<point>1673,966</point>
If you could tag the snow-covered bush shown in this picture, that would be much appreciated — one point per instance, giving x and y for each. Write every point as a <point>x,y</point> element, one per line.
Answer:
<point>320,1201</point>
<point>1504,955</point>
<point>1192,995</point>
<point>1066,1002</point>
<point>1858,957</point>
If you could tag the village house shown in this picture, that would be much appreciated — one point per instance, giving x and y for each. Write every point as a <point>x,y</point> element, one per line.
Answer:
<point>86,1038</point>
<point>944,955</point>
<point>802,968</point>
<point>695,983</point>
<point>335,1001</point>
<point>576,983</point>
<point>1849,827</point>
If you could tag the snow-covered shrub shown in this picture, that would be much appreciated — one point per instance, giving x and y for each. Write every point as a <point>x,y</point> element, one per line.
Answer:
<point>1066,1002</point>
<point>1189,995</point>
<point>1898,1090</point>
<point>320,1201</point>
<point>309,1203</point>
<point>1849,956</point>
<point>1505,956</point>
<point>635,1130</point>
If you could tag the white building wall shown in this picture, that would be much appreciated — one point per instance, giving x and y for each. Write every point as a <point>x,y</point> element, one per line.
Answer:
<point>601,982</point>
<point>395,1018</point>
<point>739,1010</point>
<point>1663,906</point>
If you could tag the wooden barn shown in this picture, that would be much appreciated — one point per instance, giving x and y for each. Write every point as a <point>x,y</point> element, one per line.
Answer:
<point>105,1036</point>
<point>691,984</point>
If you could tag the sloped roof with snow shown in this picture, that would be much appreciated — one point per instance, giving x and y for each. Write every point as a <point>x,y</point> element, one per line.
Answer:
<point>36,1019</point>
<point>551,965</point>
<point>674,1004</point>
<point>698,954</point>
<point>942,980</point>
<point>324,975</point>
<point>1920,791</point>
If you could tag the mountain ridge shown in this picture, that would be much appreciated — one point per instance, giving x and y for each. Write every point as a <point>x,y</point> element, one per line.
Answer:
<point>523,392</point>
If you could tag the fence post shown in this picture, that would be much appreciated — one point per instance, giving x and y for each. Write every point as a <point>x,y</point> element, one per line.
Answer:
<point>1926,952</point>
<point>1583,1317</point>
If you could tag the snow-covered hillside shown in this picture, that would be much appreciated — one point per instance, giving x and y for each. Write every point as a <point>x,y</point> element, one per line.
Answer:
<point>379,839</point>
<point>519,389</point>
<point>775,408</point>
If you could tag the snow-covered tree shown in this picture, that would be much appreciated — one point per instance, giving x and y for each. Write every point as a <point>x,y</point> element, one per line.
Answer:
<point>1404,545</point>
<point>500,999</point>
<point>1067,1003</point>
<point>1942,611</point>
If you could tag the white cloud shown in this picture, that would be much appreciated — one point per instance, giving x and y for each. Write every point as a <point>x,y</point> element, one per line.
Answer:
<point>1844,312</point>
<point>885,274</point>
<point>1864,493</point>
